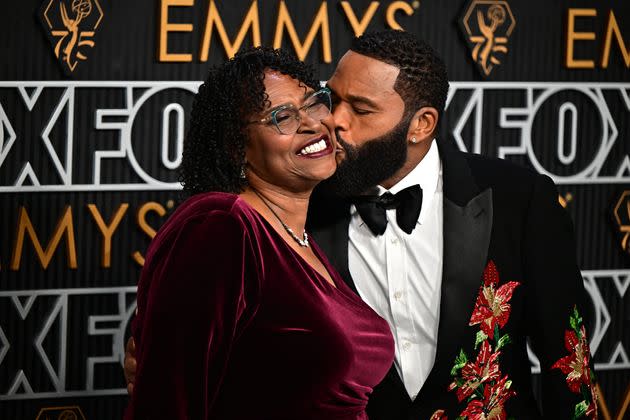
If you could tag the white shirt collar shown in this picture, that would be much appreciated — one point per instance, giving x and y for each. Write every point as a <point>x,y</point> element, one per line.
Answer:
<point>428,174</point>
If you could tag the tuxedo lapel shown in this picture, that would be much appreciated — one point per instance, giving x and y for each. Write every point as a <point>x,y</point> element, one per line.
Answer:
<point>329,220</point>
<point>467,228</point>
<point>466,239</point>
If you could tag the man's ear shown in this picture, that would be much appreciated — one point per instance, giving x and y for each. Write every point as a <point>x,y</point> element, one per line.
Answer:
<point>423,125</point>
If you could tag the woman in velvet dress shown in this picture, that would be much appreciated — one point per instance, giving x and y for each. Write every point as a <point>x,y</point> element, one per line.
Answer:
<point>240,315</point>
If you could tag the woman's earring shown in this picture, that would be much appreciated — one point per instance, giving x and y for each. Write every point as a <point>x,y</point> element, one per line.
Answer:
<point>242,174</point>
<point>414,140</point>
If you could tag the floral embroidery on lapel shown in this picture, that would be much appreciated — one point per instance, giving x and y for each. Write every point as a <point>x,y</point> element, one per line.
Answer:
<point>492,307</point>
<point>494,398</point>
<point>480,382</point>
<point>484,369</point>
<point>576,366</point>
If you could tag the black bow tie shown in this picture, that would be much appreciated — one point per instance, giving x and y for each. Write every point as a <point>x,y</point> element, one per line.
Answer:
<point>407,203</point>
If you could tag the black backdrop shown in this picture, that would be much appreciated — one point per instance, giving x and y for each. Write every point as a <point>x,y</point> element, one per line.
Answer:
<point>89,148</point>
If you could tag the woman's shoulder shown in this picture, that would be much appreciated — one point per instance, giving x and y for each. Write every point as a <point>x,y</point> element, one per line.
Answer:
<point>213,206</point>
<point>205,217</point>
<point>208,201</point>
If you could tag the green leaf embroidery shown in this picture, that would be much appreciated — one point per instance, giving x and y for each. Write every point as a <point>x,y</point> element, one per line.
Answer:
<point>580,410</point>
<point>460,362</point>
<point>576,321</point>
<point>481,337</point>
<point>503,341</point>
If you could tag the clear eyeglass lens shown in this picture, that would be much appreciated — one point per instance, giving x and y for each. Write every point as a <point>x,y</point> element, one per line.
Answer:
<point>287,120</point>
<point>318,107</point>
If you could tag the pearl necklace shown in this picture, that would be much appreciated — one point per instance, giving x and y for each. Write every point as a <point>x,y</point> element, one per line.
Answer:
<point>302,242</point>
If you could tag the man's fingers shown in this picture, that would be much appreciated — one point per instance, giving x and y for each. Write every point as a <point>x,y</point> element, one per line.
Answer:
<point>130,388</point>
<point>130,369</point>
<point>131,347</point>
<point>130,363</point>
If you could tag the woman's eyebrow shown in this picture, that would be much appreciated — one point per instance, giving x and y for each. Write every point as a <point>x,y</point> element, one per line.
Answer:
<point>308,94</point>
<point>285,104</point>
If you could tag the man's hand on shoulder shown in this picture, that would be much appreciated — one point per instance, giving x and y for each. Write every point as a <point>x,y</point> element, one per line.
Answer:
<point>130,364</point>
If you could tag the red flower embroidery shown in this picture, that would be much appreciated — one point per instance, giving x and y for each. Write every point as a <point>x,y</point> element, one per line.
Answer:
<point>480,383</point>
<point>492,405</point>
<point>576,364</point>
<point>439,415</point>
<point>577,367</point>
<point>485,368</point>
<point>492,307</point>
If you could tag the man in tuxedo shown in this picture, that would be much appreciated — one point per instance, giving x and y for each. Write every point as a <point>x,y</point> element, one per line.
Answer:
<point>467,258</point>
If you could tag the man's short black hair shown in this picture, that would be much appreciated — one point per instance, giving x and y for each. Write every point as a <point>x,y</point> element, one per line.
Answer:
<point>422,80</point>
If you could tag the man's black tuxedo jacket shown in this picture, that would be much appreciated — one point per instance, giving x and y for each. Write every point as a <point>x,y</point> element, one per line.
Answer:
<point>493,210</point>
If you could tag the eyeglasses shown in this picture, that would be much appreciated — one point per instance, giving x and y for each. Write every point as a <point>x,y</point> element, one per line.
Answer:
<point>287,118</point>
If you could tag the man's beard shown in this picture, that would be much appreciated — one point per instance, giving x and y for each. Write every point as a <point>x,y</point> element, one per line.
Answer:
<point>366,166</point>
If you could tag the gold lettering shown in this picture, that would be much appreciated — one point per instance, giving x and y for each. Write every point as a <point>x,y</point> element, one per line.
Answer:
<point>250,21</point>
<point>611,27</point>
<point>107,230</point>
<point>26,227</point>
<point>359,27</point>
<point>391,13</point>
<point>573,36</point>
<point>320,22</point>
<point>166,27</point>
<point>142,223</point>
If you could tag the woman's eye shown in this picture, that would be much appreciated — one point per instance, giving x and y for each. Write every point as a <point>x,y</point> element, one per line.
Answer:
<point>282,116</point>
<point>314,105</point>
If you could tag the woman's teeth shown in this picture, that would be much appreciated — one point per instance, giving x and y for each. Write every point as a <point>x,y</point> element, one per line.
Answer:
<point>314,148</point>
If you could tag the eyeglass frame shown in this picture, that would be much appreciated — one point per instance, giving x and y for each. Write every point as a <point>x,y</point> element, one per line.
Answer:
<point>272,114</point>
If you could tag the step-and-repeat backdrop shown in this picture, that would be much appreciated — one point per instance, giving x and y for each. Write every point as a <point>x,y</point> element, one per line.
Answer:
<point>94,98</point>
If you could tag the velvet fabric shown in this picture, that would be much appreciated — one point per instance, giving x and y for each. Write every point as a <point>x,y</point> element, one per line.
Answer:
<point>232,323</point>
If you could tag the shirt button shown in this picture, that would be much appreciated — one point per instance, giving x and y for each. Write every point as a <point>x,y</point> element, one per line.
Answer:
<point>394,241</point>
<point>406,345</point>
<point>398,295</point>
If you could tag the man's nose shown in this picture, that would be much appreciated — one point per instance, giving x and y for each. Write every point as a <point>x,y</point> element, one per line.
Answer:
<point>341,117</point>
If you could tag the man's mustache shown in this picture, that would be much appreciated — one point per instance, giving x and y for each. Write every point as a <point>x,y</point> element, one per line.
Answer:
<point>344,145</point>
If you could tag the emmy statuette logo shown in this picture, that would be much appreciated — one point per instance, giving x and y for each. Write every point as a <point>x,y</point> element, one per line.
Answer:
<point>621,213</point>
<point>70,26</point>
<point>60,413</point>
<point>487,26</point>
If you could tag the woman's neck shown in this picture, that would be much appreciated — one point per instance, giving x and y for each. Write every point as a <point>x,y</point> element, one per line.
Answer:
<point>289,206</point>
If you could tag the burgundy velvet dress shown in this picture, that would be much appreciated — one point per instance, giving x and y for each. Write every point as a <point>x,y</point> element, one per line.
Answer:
<point>232,323</point>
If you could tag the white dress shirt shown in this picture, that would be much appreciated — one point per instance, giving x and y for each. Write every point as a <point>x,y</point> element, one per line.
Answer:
<point>400,275</point>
